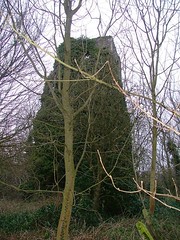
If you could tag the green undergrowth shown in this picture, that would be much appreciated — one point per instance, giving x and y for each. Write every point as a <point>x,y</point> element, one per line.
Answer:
<point>86,224</point>
<point>44,217</point>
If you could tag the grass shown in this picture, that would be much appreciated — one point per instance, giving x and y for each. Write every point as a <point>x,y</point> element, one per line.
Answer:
<point>106,231</point>
<point>40,214</point>
<point>19,205</point>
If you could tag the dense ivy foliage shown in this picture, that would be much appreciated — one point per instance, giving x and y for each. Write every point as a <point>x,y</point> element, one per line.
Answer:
<point>103,125</point>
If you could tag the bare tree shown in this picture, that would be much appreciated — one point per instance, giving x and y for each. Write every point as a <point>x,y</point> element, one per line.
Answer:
<point>15,72</point>
<point>152,38</point>
<point>18,93</point>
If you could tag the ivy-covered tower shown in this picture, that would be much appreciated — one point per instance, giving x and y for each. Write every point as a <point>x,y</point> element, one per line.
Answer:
<point>103,124</point>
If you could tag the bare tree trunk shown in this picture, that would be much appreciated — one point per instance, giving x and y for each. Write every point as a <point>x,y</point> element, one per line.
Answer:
<point>68,115</point>
<point>68,195</point>
<point>64,221</point>
<point>97,190</point>
<point>153,161</point>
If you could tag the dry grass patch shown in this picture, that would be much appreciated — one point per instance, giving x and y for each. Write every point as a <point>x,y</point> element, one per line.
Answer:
<point>123,229</point>
<point>44,234</point>
<point>19,205</point>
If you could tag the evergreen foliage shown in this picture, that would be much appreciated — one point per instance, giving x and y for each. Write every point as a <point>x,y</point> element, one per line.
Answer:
<point>103,124</point>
